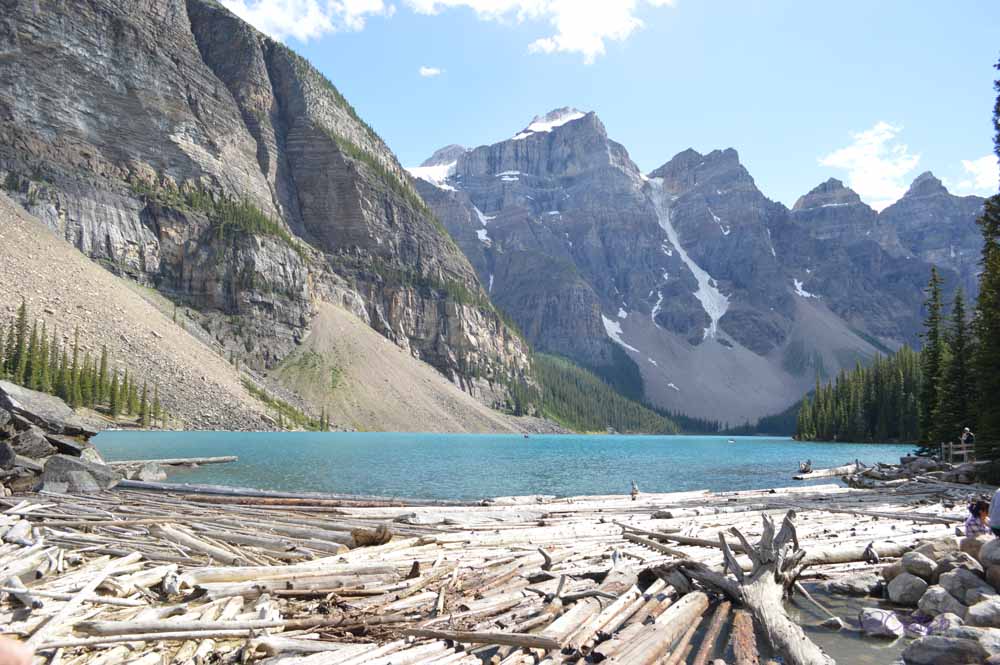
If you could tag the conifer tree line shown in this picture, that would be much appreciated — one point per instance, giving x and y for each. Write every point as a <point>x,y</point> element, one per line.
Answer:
<point>952,383</point>
<point>34,357</point>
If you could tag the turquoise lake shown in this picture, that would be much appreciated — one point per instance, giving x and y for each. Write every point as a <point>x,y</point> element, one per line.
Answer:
<point>464,466</point>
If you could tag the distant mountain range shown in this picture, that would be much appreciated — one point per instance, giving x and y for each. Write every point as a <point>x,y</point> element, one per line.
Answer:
<point>687,286</point>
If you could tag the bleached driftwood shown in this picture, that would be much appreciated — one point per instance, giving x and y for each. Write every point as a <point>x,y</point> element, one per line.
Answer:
<point>777,562</point>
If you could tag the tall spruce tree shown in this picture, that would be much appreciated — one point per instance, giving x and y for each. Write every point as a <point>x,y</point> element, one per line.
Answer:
<point>956,390</point>
<point>20,360</point>
<point>114,396</point>
<point>157,407</point>
<point>11,349</point>
<point>46,379</point>
<point>102,377</point>
<point>930,363</point>
<point>3,352</point>
<point>34,370</point>
<point>986,363</point>
<point>75,392</point>
<point>144,406</point>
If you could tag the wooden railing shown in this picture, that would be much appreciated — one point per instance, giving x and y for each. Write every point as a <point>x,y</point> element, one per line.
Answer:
<point>951,451</point>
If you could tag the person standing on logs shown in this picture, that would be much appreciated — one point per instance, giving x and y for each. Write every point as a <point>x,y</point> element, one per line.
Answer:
<point>967,438</point>
<point>977,523</point>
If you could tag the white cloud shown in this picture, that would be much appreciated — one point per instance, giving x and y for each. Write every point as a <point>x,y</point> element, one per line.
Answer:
<point>581,26</point>
<point>429,72</point>
<point>307,19</point>
<point>982,176</point>
<point>876,163</point>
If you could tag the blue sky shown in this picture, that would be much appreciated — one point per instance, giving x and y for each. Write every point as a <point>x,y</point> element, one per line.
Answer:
<point>872,92</point>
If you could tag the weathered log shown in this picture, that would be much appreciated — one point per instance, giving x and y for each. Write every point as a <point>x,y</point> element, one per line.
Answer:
<point>175,461</point>
<point>777,562</point>
<point>845,470</point>
<point>712,634</point>
<point>527,641</point>
<point>744,639</point>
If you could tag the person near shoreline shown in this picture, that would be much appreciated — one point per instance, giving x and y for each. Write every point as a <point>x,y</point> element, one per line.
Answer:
<point>13,652</point>
<point>978,521</point>
<point>967,437</point>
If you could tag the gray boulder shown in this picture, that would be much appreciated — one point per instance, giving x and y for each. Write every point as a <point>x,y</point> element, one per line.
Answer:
<point>892,570</point>
<point>7,455</point>
<point>944,649</point>
<point>150,472</point>
<point>880,623</point>
<point>920,565</point>
<point>937,548</point>
<point>5,419</point>
<point>989,554</point>
<point>992,576</point>
<point>78,476</point>
<point>985,613</point>
<point>937,601</point>
<point>46,411</point>
<point>66,445</point>
<point>942,623</point>
<point>907,589</point>
<point>867,584</point>
<point>972,546</point>
<point>966,586</point>
<point>90,454</point>
<point>32,443</point>
<point>956,560</point>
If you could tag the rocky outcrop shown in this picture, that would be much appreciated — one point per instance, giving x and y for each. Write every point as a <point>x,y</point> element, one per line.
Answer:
<point>936,226</point>
<point>35,430</point>
<point>195,155</point>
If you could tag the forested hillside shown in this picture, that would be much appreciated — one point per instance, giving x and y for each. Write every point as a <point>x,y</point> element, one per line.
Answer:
<point>579,400</point>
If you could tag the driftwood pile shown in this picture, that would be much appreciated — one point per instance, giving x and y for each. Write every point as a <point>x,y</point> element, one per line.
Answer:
<point>910,469</point>
<point>131,576</point>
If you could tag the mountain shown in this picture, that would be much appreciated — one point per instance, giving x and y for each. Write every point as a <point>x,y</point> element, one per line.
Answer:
<point>932,224</point>
<point>687,286</point>
<point>179,147</point>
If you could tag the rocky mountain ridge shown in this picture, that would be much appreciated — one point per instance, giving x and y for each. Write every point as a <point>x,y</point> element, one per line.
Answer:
<point>176,145</point>
<point>727,303</point>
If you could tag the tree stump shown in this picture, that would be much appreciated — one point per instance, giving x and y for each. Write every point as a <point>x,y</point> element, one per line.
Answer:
<point>776,565</point>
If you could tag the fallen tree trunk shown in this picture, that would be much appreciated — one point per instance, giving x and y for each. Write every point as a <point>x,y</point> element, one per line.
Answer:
<point>844,470</point>
<point>176,461</point>
<point>777,561</point>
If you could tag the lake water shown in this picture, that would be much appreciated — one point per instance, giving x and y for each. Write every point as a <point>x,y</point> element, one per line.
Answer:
<point>475,466</point>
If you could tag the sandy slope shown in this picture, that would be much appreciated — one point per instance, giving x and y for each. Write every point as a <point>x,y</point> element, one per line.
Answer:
<point>67,290</point>
<point>368,383</point>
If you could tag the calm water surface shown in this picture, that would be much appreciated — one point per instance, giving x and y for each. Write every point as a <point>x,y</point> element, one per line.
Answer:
<point>464,466</point>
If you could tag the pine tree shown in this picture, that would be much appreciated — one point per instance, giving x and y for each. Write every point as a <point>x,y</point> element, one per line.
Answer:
<point>986,363</point>
<point>125,393</point>
<point>53,364</point>
<point>65,384</point>
<point>133,397</point>
<point>86,381</point>
<point>3,352</point>
<point>144,406</point>
<point>930,362</point>
<point>75,392</point>
<point>956,392</point>
<point>34,369</point>
<point>20,359</point>
<point>157,407</point>
<point>11,350</point>
<point>114,396</point>
<point>102,377</point>
<point>46,378</point>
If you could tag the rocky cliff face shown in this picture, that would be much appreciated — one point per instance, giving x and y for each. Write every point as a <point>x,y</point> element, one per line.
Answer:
<point>727,303</point>
<point>174,144</point>
<point>934,225</point>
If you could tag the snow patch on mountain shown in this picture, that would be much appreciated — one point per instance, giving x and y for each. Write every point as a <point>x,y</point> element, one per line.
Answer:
<point>712,300</point>
<point>436,175</point>
<point>799,291</point>
<point>483,219</point>
<point>614,331</point>
<point>550,121</point>
<point>722,227</point>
